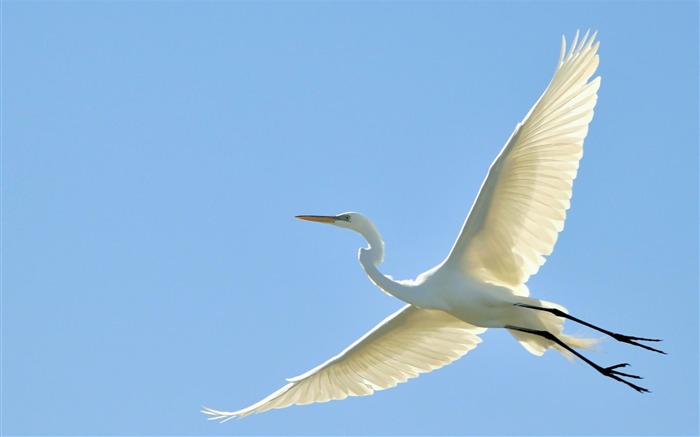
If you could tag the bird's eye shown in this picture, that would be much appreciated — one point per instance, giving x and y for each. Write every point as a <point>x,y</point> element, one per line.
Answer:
<point>346,218</point>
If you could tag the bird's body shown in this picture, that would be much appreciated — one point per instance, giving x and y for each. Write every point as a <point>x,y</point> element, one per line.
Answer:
<point>511,228</point>
<point>469,299</point>
<point>464,296</point>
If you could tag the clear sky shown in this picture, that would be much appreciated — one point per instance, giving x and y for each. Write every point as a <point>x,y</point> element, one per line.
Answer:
<point>155,153</point>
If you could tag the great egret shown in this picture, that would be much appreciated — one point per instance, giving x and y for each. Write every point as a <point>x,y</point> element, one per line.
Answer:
<point>512,226</point>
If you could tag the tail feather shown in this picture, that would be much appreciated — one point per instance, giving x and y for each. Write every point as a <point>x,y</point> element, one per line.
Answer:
<point>577,343</point>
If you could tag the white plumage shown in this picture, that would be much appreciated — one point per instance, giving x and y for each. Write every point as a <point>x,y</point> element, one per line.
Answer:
<point>511,228</point>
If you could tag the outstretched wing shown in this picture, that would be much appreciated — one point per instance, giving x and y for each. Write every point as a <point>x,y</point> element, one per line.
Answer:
<point>522,204</point>
<point>409,342</point>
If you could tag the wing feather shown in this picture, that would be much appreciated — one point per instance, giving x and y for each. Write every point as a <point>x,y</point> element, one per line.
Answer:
<point>521,207</point>
<point>407,343</point>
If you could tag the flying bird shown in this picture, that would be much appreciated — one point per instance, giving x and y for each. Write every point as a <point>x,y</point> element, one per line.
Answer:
<point>512,226</point>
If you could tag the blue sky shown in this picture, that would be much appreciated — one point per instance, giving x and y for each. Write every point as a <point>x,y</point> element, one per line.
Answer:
<point>154,155</point>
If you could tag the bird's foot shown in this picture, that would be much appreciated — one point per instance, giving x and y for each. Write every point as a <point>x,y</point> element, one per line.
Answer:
<point>616,375</point>
<point>633,341</point>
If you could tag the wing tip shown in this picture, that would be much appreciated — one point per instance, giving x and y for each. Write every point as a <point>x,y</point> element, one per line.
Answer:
<point>587,42</point>
<point>221,416</point>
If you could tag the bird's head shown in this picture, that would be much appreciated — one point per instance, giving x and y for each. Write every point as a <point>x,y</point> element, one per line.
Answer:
<point>358,223</point>
<point>349,220</point>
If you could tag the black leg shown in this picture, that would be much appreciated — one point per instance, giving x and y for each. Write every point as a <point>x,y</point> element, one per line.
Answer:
<point>619,337</point>
<point>610,372</point>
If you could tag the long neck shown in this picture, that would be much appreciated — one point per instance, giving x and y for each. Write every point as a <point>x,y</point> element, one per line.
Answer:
<point>373,255</point>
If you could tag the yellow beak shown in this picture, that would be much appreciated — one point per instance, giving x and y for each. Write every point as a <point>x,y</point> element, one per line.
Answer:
<point>317,218</point>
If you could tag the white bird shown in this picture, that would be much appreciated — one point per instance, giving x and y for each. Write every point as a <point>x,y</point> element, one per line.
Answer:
<point>512,226</point>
